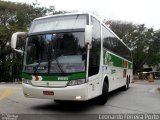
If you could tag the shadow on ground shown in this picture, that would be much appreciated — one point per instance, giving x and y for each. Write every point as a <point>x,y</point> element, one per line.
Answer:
<point>72,106</point>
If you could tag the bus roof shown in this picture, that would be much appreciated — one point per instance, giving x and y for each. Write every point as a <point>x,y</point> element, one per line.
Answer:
<point>82,13</point>
<point>64,14</point>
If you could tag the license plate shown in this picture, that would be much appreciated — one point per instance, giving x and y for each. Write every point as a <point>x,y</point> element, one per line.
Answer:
<point>48,92</point>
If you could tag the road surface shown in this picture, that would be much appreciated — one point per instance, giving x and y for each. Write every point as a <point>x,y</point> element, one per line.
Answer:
<point>142,97</point>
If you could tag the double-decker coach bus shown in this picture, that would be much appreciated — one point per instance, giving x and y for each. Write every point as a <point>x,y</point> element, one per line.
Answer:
<point>73,57</point>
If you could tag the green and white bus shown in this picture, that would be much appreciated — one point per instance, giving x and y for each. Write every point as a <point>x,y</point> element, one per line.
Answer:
<point>73,57</point>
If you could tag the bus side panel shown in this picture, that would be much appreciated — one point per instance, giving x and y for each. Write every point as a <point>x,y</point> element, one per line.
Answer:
<point>94,86</point>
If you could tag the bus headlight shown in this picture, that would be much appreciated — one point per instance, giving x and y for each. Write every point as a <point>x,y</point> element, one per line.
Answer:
<point>76,82</point>
<point>27,81</point>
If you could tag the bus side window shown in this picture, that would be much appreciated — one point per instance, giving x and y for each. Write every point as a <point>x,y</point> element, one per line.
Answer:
<point>106,38</point>
<point>94,58</point>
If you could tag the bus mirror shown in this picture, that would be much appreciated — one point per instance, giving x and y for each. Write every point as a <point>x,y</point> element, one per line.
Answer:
<point>14,40</point>
<point>88,35</point>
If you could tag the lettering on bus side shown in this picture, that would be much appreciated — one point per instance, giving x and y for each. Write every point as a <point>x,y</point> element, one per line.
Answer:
<point>113,71</point>
<point>62,78</point>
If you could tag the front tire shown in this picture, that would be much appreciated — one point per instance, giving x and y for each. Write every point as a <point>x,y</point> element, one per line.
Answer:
<point>102,99</point>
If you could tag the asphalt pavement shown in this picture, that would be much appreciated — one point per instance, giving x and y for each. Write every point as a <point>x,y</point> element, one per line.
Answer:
<point>142,97</point>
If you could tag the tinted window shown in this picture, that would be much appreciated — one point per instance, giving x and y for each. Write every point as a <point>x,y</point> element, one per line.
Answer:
<point>106,36</point>
<point>56,53</point>
<point>112,43</point>
<point>94,58</point>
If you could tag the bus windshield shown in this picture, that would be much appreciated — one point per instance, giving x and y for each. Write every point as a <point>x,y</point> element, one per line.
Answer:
<point>55,53</point>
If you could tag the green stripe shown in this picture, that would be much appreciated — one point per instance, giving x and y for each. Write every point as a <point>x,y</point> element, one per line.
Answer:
<point>73,76</point>
<point>26,76</point>
<point>114,60</point>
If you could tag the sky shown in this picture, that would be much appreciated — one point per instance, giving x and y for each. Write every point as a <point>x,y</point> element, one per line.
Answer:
<point>136,11</point>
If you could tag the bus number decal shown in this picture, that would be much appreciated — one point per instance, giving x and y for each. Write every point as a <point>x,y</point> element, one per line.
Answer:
<point>62,78</point>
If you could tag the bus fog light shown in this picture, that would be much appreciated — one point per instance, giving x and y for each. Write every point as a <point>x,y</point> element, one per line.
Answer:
<point>78,97</point>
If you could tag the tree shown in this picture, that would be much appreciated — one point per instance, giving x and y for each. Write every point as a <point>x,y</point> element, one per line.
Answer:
<point>142,40</point>
<point>15,17</point>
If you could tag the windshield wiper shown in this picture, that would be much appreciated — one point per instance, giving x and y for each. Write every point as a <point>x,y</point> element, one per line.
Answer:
<point>36,67</point>
<point>55,58</point>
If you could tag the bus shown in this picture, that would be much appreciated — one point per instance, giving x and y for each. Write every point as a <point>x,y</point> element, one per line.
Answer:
<point>73,57</point>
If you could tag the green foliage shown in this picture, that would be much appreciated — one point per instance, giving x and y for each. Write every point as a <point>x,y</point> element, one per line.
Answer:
<point>15,17</point>
<point>144,42</point>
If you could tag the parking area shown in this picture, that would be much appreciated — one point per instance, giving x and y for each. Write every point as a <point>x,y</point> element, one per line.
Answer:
<point>142,97</point>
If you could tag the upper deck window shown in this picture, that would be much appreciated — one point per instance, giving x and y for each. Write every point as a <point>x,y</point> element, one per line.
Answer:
<point>58,23</point>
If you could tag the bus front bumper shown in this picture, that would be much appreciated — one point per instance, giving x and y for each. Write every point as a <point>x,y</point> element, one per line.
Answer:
<point>75,93</point>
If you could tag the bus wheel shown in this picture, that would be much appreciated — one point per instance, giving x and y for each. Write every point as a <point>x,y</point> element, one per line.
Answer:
<point>126,87</point>
<point>102,99</point>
